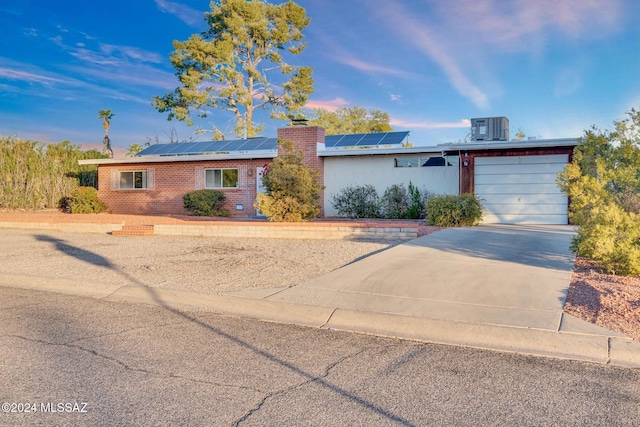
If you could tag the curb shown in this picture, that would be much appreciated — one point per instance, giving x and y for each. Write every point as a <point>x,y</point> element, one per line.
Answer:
<point>609,350</point>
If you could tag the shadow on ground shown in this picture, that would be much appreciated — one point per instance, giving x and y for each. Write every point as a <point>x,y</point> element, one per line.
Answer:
<point>98,260</point>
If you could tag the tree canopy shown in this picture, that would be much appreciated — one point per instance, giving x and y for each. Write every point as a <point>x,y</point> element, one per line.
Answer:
<point>238,65</point>
<point>292,188</point>
<point>519,136</point>
<point>347,120</point>
<point>134,149</point>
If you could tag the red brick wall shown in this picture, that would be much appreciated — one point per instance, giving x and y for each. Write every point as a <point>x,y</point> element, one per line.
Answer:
<point>305,138</point>
<point>172,181</point>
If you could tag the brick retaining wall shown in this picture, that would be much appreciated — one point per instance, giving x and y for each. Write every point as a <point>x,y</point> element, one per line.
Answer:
<point>201,226</point>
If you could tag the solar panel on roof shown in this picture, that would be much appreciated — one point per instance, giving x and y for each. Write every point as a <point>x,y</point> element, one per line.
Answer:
<point>332,140</point>
<point>365,140</point>
<point>263,144</point>
<point>184,147</point>
<point>371,139</point>
<point>149,150</point>
<point>195,148</point>
<point>348,140</point>
<point>267,144</point>
<point>394,137</point>
<point>234,145</point>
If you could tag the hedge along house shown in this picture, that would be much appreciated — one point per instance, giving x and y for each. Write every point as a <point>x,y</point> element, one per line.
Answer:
<point>516,180</point>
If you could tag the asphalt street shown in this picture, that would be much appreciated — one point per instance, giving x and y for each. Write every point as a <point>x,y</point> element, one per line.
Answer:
<point>70,360</point>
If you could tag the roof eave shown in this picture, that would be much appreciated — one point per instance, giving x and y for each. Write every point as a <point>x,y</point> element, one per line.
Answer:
<point>188,158</point>
<point>502,145</point>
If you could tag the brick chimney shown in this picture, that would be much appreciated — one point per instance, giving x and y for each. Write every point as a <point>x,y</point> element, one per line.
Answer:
<point>306,138</point>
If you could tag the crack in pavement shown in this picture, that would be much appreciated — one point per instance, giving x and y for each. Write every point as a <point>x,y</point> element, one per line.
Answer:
<point>285,390</point>
<point>130,368</point>
<point>151,327</point>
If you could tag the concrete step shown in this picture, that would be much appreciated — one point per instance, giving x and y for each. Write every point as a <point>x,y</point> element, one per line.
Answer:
<point>134,230</point>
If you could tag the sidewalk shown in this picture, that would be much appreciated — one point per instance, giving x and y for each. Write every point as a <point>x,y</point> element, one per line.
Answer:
<point>493,287</point>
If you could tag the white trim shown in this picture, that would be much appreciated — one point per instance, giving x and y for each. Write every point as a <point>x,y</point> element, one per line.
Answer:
<point>454,147</point>
<point>114,180</point>
<point>145,171</point>
<point>222,178</point>
<point>151,178</point>
<point>199,184</point>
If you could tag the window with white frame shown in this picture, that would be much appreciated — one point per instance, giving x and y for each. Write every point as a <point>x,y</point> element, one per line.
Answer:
<point>133,180</point>
<point>221,178</point>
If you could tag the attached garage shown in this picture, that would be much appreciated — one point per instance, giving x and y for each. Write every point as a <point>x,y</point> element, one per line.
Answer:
<point>521,189</point>
<point>516,180</point>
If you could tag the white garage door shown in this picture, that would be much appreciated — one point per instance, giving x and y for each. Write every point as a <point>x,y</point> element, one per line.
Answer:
<point>521,189</point>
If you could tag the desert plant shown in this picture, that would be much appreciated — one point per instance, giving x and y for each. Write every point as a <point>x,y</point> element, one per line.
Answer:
<point>603,185</point>
<point>292,188</point>
<point>84,200</point>
<point>205,203</point>
<point>394,203</point>
<point>453,211</point>
<point>360,201</point>
<point>417,201</point>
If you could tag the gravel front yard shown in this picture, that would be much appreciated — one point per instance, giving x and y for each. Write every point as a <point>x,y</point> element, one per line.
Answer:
<point>200,264</point>
<point>612,302</point>
<point>213,265</point>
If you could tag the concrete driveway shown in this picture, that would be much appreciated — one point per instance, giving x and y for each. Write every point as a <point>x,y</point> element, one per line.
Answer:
<point>495,274</point>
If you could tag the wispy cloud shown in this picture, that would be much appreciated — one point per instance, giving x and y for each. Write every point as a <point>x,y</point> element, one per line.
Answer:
<point>462,36</point>
<point>331,105</point>
<point>351,61</point>
<point>186,14</point>
<point>417,33</point>
<point>524,24</point>
<point>395,97</point>
<point>464,123</point>
<point>131,53</point>
<point>29,77</point>
<point>107,54</point>
<point>139,75</point>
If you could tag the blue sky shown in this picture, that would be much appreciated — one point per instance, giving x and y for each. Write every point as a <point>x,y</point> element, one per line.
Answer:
<point>553,67</point>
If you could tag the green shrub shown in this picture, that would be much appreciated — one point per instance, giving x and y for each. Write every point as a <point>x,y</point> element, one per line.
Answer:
<point>417,201</point>
<point>612,238</point>
<point>453,211</point>
<point>36,175</point>
<point>357,202</point>
<point>85,200</point>
<point>394,203</point>
<point>205,203</point>
<point>603,185</point>
<point>292,188</point>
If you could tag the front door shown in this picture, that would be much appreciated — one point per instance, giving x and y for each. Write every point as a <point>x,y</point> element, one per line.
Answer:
<point>260,189</point>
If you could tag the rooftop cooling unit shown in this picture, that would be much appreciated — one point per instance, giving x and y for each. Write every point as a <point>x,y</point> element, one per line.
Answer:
<point>490,129</point>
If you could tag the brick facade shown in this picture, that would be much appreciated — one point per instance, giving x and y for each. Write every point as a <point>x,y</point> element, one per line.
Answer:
<point>168,182</point>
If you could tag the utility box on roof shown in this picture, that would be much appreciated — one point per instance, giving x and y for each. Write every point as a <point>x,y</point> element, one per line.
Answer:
<point>490,129</point>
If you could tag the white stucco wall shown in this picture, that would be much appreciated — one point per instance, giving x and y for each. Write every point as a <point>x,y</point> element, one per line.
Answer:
<point>379,171</point>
